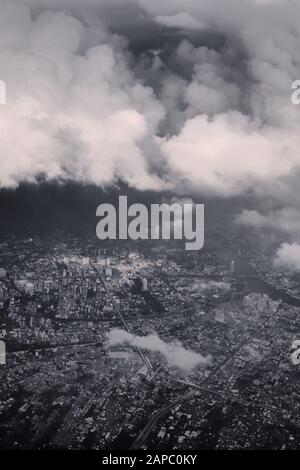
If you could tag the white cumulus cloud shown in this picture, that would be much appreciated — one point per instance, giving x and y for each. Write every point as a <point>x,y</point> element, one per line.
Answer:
<point>288,257</point>
<point>175,354</point>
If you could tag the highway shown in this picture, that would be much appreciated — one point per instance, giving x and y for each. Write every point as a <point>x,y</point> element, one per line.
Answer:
<point>142,437</point>
<point>117,310</point>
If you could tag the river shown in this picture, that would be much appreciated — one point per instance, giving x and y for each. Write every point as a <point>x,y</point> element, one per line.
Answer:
<point>254,282</point>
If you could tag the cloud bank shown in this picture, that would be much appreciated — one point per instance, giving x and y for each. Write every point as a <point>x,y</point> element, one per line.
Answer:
<point>288,257</point>
<point>73,111</point>
<point>286,219</point>
<point>175,354</point>
<point>204,105</point>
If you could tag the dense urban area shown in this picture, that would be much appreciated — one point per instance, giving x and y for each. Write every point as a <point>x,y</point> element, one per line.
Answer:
<point>74,377</point>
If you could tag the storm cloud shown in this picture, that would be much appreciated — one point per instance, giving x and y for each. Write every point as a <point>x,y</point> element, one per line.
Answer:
<point>161,95</point>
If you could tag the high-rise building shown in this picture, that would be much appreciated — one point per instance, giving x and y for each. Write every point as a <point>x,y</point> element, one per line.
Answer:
<point>2,353</point>
<point>108,272</point>
<point>85,261</point>
<point>232,267</point>
<point>220,316</point>
<point>2,273</point>
<point>144,284</point>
